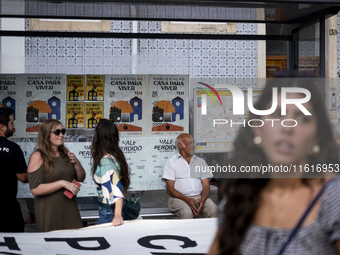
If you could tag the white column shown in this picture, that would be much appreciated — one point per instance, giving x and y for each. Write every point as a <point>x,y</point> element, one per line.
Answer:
<point>261,50</point>
<point>331,62</point>
<point>134,53</point>
<point>331,48</point>
<point>12,48</point>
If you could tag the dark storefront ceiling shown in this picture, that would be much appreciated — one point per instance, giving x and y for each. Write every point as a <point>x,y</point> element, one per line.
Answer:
<point>289,11</point>
<point>281,17</point>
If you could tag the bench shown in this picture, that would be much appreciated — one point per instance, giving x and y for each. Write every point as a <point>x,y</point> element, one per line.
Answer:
<point>149,213</point>
<point>145,213</point>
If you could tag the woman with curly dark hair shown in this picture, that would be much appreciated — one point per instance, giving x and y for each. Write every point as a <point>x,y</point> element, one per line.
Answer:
<point>260,213</point>
<point>110,172</point>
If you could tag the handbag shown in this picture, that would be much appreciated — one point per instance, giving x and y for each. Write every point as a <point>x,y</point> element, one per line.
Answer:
<point>301,220</point>
<point>131,208</point>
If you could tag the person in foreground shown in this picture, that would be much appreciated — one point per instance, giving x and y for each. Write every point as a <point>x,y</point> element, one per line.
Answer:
<point>189,197</point>
<point>110,172</point>
<point>260,213</point>
<point>13,168</point>
<point>51,170</point>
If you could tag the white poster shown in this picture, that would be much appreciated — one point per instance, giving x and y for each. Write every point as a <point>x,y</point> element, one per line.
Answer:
<point>168,104</point>
<point>43,98</point>
<point>142,237</point>
<point>125,101</point>
<point>217,128</point>
<point>83,154</point>
<point>138,157</point>
<point>210,138</point>
<point>161,149</point>
<point>23,188</point>
<point>10,88</point>
<point>146,157</point>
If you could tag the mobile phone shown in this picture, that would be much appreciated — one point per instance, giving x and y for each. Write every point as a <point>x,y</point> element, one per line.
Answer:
<point>68,193</point>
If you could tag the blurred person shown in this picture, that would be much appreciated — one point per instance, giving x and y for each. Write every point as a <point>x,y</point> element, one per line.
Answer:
<point>189,197</point>
<point>13,168</point>
<point>260,213</point>
<point>336,132</point>
<point>51,170</point>
<point>110,172</point>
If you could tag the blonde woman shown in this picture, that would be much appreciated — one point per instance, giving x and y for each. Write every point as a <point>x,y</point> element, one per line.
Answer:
<point>51,170</point>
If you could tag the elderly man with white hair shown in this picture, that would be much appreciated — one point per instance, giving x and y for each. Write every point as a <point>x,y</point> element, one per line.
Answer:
<point>189,197</point>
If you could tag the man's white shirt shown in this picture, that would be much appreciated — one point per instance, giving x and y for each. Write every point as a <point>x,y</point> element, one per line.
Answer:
<point>177,169</point>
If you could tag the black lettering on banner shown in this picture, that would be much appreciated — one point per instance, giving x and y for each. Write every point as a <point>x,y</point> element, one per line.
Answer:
<point>74,242</point>
<point>10,243</point>
<point>146,241</point>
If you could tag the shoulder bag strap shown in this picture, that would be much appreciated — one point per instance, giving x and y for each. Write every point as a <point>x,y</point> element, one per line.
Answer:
<point>298,225</point>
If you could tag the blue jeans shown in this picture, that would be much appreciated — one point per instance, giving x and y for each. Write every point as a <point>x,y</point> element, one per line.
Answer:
<point>106,215</point>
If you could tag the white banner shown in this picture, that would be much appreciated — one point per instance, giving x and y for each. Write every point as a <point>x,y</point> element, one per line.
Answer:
<point>142,237</point>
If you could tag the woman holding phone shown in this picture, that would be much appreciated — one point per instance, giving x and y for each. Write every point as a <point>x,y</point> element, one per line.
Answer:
<point>51,170</point>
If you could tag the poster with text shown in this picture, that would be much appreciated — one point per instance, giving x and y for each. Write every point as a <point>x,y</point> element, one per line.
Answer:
<point>146,157</point>
<point>218,138</point>
<point>83,154</point>
<point>10,97</point>
<point>75,115</point>
<point>95,87</point>
<point>43,98</point>
<point>24,190</point>
<point>125,97</point>
<point>136,153</point>
<point>160,150</point>
<point>75,87</point>
<point>93,113</point>
<point>168,107</point>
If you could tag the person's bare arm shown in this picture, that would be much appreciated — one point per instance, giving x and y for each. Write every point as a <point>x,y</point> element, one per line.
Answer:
<point>80,172</point>
<point>48,188</point>
<point>205,194</point>
<point>118,219</point>
<point>170,189</point>
<point>22,177</point>
<point>337,246</point>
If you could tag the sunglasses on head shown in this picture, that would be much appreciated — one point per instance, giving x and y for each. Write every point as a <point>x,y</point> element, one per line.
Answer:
<point>58,131</point>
